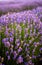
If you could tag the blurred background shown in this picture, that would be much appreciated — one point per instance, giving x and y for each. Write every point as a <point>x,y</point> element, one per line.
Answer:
<point>18,5</point>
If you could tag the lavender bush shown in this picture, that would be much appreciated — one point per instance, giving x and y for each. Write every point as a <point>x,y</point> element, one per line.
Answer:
<point>20,38</point>
<point>38,11</point>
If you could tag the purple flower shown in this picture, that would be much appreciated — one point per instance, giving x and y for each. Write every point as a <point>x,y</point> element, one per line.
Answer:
<point>7,44</point>
<point>26,49</point>
<point>20,49</point>
<point>6,33</point>
<point>8,57</point>
<point>11,40</point>
<point>18,44</point>
<point>34,57</point>
<point>10,34</point>
<point>15,54</point>
<point>19,59</point>
<point>41,49</point>
<point>19,20</point>
<point>26,63</point>
<point>7,52</point>
<point>30,62</point>
<point>34,43</point>
<point>5,40</point>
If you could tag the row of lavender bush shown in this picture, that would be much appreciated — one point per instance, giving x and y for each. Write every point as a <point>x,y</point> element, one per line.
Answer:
<point>20,16</point>
<point>20,37</point>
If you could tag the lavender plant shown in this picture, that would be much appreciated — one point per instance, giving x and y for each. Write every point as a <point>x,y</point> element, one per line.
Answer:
<point>38,11</point>
<point>20,38</point>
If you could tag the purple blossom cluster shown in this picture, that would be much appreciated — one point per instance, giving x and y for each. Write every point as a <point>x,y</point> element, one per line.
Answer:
<point>22,36</point>
<point>38,11</point>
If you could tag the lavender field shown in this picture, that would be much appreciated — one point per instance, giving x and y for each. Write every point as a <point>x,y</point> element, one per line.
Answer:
<point>19,5</point>
<point>21,32</point>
